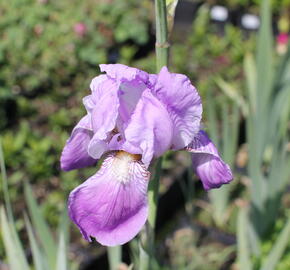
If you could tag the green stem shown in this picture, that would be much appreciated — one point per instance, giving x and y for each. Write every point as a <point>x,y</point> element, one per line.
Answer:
<point>153,195</point>
<point>115,257</point>
<point>147,248</point>
<point>162,48</point>
<point>162,45</point>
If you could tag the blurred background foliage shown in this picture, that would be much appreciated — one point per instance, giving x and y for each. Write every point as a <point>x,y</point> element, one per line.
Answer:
<point>49,52</point>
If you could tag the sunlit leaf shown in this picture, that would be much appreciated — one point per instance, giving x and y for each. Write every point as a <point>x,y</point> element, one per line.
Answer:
<point>233,94</point>
<point>14,251</point>
<point>278,249</point>
<point>38,257</point>
<point>244,260</point>
<point>41,227</point>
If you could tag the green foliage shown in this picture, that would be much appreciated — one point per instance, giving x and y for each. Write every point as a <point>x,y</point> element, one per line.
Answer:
<point>206,55</point>
<point>46,253</point>
<point>41,48</point>
<point>268,158</point>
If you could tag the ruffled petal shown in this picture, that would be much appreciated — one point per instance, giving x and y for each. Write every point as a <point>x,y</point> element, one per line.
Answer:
<point>104,117</point>
<point>131,84</point>
<point>98,87</point>
<point>97,147</point>
<point>75,154</point>
<point>149,132</point>
<point>124,73</point>
<point>129,94</point>
<point>183,104</point>
<point>111,206</point>
<point>211,169</point>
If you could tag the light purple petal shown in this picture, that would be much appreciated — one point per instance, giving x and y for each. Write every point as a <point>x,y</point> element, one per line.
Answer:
<point>129,94</point>
<point>131,84</point>
<point>207,163</point>
<point>124,73</point>
<point>150,130</point>
<point>104,116</point>
<point>98,87</point>
<point>152,80</point>
<point>111,206</point>
<point>97,147</point>
<point>75,154</point>
<point>183,104</point>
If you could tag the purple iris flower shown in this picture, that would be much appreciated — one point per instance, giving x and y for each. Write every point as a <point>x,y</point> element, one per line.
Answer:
<point>133,117</point>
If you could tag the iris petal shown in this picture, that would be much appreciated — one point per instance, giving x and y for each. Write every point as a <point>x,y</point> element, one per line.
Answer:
<point>149,131</point>
<point>111,206</point>
<point>104,117</point>
<point>75,154</point>
<point>183,104</point>
<point>207,163</point>
<point>124,73</point>
<point>98,87</point>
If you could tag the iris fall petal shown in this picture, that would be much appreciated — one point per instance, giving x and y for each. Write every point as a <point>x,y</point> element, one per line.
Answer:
<point>207,163</point>
<point>111,206</point>
<point>124,73</point>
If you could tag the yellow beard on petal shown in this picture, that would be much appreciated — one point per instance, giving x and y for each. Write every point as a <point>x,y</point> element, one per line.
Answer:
<point>121,168</point>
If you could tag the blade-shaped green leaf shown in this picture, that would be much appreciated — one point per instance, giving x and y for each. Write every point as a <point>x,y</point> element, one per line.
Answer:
<point>41,227</point>
<point>61,263</point>
<point>39,260</point>
<point>14,251</point>
<point>144,258</point>
<point>278,249</point>
<point>244,259</point>
<point>5,184</point>
<point>63,236</point>
<point>212,120</point>
<point>251,76</point>
<point>233,94</point>
<point>264,57</point>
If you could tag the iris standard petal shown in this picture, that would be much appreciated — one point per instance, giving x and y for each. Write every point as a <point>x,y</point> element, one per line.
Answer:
<point>183,104</point>
<point>104,117</point>
<point>98,87</point>
<point>124,73</point>
<point>131,84</point>
<point>75,154</point>
<point>149,131</point>
<point>111,206</point>
<point>207,163</point>
<point>129,94</point>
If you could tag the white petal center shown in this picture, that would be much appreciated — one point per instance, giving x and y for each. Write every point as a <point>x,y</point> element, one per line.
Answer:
<point>121,166</point>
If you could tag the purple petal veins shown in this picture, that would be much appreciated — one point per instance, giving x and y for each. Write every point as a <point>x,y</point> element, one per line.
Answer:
<point>111,206</point>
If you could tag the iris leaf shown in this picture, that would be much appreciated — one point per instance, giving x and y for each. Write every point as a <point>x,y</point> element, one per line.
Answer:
<point>14,250</point>
<point>41,227</point>
<point>278,249</point>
